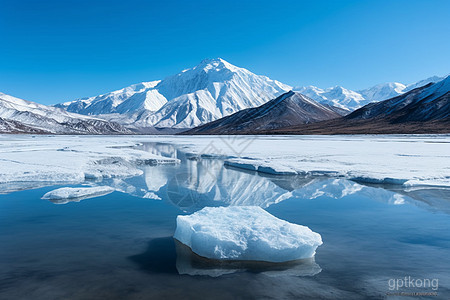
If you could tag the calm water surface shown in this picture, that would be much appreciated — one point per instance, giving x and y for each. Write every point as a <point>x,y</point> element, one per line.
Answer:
<point>120,246</point>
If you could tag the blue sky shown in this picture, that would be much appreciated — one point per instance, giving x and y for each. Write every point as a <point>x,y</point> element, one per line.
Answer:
<point>54,51</point>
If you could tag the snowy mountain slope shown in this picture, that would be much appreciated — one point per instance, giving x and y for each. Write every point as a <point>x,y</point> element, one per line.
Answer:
<point>289,109</point>
<point>424,82</point>
<point>351,100</point>
<point>10,126</point>
<point>24,116</point>
<point>129,99</point>
<point>209,91</point>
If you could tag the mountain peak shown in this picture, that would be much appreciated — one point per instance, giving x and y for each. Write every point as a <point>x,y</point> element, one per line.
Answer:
<point>215,64</point>
<point>213,60</point>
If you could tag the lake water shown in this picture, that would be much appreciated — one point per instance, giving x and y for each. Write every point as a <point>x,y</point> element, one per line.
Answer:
<point>120,246</point>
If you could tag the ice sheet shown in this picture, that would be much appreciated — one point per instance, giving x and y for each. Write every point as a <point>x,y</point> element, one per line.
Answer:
<point>399,159</point>
<point>71,159</point>
<point>409,160</point>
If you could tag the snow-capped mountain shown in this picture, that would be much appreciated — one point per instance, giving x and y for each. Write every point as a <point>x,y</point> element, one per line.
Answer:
<point>351,100</point>
<point>382,91</point>
<point>21,116</point>
<point>289,109</point>
<point>207,92</point>
<point>426,103</point>
<point>335,96</point>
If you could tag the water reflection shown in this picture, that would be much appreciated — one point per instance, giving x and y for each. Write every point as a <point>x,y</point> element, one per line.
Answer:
<point>159,257</point>
<point>161,149</point>
<point>192,264</point>
<point>74,199</point>
<point>428,197</point>
<point>205,181</point>
<point>166,255</point>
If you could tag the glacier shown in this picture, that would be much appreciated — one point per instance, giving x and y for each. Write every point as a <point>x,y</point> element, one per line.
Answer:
<point>245,233</point>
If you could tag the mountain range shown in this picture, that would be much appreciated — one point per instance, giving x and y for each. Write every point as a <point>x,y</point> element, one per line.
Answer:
<point>210,91</point>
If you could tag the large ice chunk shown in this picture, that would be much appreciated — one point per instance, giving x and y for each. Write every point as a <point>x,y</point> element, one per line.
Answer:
<point>68,194</point>
<point>245,233</point>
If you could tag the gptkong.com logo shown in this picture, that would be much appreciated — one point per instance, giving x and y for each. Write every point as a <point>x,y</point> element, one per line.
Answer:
<point>409,286</point>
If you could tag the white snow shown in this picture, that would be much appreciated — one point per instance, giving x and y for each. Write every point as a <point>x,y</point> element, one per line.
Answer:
<point>245,233</point>
<point>67,193</point>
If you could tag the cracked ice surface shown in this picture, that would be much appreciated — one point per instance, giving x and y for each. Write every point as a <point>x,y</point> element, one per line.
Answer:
<point>71,158</point>
<point>398,159</point>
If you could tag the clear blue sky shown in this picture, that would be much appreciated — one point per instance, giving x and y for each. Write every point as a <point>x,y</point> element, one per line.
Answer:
<point>54,51</point>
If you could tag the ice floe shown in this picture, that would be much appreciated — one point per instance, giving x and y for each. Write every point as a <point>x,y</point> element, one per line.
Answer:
<point>69,194</point>
<point>245,233</point>
<point>260,166</point>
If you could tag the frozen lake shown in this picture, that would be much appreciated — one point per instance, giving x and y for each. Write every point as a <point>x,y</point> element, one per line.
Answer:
<point>381,205</point>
